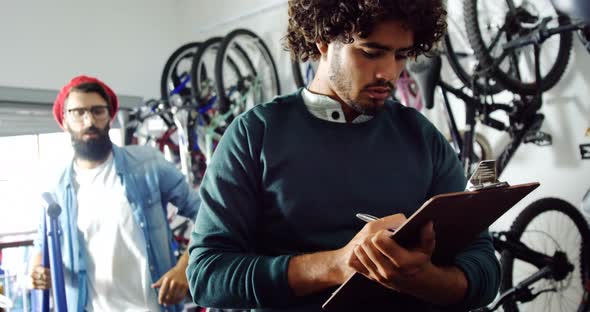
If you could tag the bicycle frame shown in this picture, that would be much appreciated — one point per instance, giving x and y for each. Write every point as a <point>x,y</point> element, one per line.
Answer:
<point>524,117</point>
<point>522,122</point>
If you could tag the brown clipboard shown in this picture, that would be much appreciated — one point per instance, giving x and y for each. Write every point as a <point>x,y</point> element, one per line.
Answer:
<point>458,220</point>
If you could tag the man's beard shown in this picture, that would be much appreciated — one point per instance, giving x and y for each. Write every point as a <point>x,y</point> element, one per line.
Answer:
<point>343,83</point>
<point>93,149</point>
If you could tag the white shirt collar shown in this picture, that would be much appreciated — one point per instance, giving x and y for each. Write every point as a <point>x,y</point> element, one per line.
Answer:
<point>326,108</point>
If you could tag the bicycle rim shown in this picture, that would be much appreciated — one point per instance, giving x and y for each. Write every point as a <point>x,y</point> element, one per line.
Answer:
<point>259,81</point>
<point>489,22</point>
<point>549,225</point>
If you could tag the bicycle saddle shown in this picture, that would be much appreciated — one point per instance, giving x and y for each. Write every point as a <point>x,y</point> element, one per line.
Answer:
<point>426,72</point>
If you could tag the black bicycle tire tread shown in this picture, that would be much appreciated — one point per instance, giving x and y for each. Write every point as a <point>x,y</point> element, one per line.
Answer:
<point>519,225</point>
<point>170,62</point>
<point>547,82</point>
<point>223,99</point>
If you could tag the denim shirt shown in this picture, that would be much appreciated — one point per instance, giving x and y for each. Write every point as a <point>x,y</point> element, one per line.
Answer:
<point>150,182</point>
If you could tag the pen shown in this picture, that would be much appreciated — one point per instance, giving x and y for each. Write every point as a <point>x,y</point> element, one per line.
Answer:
<point>366,217</point>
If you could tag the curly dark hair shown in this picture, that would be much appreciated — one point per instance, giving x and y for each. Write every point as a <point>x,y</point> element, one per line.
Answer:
<point>330,20</point>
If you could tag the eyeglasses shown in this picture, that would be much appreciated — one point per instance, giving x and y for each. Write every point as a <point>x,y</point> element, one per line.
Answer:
<point>100,112</point>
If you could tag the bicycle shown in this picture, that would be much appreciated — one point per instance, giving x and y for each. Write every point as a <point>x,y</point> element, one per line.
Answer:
<point>204,86</point>
<point>258,79</point>
<point>508,20</point>
<point>175,75</point>
<point>556,266</point>
<point>537,255</point>
<point>461,56</point>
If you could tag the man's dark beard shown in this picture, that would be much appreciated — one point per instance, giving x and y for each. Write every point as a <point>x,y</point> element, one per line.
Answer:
<point>94,149</point>
<point>343,83</point>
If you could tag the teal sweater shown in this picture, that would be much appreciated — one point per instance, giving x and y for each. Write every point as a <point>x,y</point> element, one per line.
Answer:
<point>283,182</point>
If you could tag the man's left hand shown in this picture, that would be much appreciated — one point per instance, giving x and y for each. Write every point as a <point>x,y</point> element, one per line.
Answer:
<point>173,286</point>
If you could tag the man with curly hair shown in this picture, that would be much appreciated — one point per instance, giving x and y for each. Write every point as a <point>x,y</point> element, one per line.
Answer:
<point>276,230</point>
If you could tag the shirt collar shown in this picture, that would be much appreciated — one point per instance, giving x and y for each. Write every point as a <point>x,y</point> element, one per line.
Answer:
<point>326,108</point>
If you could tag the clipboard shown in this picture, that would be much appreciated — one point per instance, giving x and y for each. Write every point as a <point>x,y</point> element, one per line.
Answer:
<point>458,220</point>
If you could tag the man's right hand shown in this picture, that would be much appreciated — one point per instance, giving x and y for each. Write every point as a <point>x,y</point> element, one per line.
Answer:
<point>40,278</point>
<point>348,258</point>
<point>310,273</point>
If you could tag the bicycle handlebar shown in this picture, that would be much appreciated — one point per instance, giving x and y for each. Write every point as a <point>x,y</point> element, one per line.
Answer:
<point>536,37</point>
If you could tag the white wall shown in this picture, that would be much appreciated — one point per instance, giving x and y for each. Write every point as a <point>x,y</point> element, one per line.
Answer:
<point>125,43</point>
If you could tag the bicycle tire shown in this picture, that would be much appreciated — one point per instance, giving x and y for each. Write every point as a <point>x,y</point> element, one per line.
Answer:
<point>461,73</point>
<point>484,146</point>
<point>482,149</point>
<point>552,76</point>
<point>224,101</point>
<point>184,51</point>
<point>519,228</point>
<point>196,79</point>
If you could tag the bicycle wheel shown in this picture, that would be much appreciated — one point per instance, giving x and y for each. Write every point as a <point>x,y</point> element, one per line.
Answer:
<point>510,19</point>
<point>549,225</point>
<point>259,81</point>
<point>202,69</point>
<point>177,71</point>
<point>303,73</point>
<point>202,72</point>
<point>461,56</point>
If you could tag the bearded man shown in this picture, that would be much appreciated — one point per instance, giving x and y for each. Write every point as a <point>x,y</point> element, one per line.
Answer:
<point>116,241</point>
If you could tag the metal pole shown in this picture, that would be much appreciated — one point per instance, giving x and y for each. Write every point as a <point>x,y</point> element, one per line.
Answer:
<point>57,275</point>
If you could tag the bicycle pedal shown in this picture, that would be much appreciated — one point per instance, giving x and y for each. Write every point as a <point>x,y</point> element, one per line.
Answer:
<point>539,138</point>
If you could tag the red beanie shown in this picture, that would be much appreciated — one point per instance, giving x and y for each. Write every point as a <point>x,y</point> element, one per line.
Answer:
<point>58,105</point>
